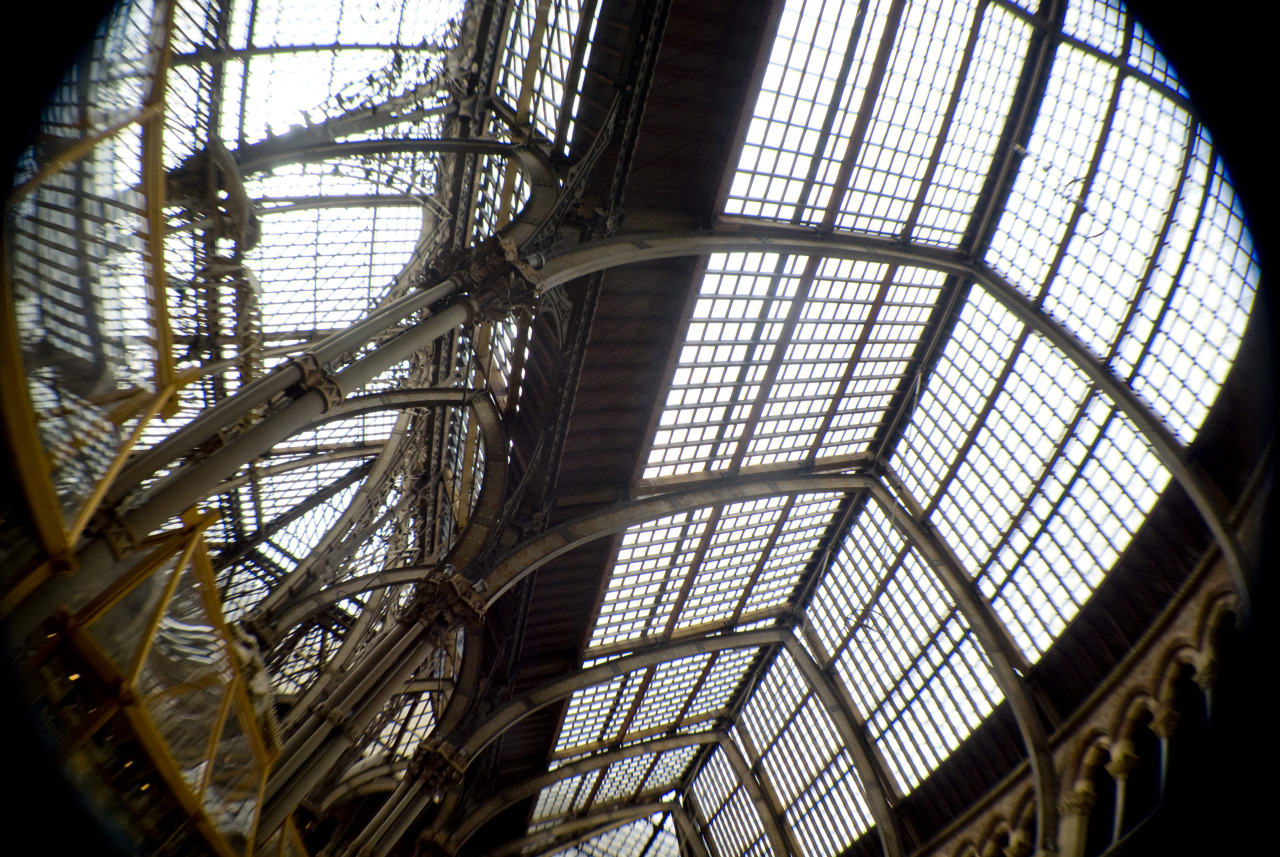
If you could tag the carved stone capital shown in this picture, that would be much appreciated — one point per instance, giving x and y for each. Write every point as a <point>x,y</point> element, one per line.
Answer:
<point>444,603</point>
<point>316,377</point>
<point>1078,802</point>
<point>1207,675</point>
<point>1122,763</point>
<point>436,765</point>
<point>1165,722</point>
<point>1019,844</point>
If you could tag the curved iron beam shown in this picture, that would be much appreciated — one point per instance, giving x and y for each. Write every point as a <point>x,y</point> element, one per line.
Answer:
<point>289,608</point>
<point>584,827</point>
<point>478,817</point>
<point>524,559</point>
<point>847,723</point>
<point>1000,650</point>
<point>560,266</point>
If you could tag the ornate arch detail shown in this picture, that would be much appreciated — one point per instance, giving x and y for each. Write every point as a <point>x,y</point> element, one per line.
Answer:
<point>1224,602</point>
<point>1141,700</point>
<point>1179,654</point>
<point>1094,750</point>
<point>990,843</point>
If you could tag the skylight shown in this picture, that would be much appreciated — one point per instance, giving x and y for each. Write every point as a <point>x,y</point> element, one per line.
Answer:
<point>1117,215</point>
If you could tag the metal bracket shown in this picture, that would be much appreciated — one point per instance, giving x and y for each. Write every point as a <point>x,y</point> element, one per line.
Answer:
<point>445,602</point>
<point>315,377</point>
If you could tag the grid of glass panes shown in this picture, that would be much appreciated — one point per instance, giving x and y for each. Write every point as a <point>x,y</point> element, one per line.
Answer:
<point>811,771</point>
<point>645,776</point>
<point>188,85</point>
<point>1203,321</point>
<point>843,360</point>
<point>623,781</point>
<point>1184,223</point>
<point>726,808</point>
<point>906,118</point>
<point>323,268</point>
<point>491,183</point>
<point>687,692</point>
<point>645,575</point>
<point>647,837</point>
<point>409,719</point>
<point>556,799</point>
<point>267,500</point>
<point>998,474</point>
<point>757,564</point>
<point>561,20</point>
<point>1051,174</point>
<point>804,113</point>
<point>1053,524</point>
<point>1014,490</point>
<point>592,708</point>
<point>309,647</point>
<point>1126,209</point>
<point>77,267</point>
<point>111,84</point>
<point>962,381</point>
<point>985,100</point>
<point>669,768</point>
<point>709,569</point>
<point>907,658</point>
<point>1088,509</point>
<point>366,53</point>
<point>844,352</point>
<point>743,300</point>
<point>1147,59</point>
<point>1099,23</point>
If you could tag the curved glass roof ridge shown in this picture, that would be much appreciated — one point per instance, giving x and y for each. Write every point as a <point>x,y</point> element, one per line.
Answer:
<point>1118,223</point>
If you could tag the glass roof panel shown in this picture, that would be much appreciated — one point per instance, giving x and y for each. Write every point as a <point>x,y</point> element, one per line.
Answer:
<point>1051,177</point>
<point>1119,211</point>
<point>1099,23</point>
<point>954,396</point>
<point>804,756</point>
<point>1125,212</point>
<point>729,814</point>
<point>647,837</point>
<point>985,100</point>
<point>894,157</point>
<point>669,769</point>
<point>553,28</point>
<point>779,368</point>
<point>1204,320</point>
<point>1146,57</point>
<point>622,780</point>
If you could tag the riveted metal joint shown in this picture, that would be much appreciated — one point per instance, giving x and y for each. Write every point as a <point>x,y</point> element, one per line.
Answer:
<point>445,602</point>
<point>315,377</point>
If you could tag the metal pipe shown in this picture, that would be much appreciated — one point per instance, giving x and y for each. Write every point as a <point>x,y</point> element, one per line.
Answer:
<point>260,390</point>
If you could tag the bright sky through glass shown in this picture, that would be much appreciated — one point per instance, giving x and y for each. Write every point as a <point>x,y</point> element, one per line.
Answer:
<point>1120,225</point>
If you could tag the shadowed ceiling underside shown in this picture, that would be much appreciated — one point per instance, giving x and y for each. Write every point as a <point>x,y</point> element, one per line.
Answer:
<point>847,394</point>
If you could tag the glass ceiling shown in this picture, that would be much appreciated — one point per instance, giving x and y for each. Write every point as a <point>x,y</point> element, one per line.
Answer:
<point>876,117</point>
<point>1120,224</point>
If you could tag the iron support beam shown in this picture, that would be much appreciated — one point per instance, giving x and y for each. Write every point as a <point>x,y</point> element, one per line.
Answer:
<point>469,746</point>
<point>189,484</point>
<point>1000,651</point>
<point>292,602</point>
<point>847,725</point>
<point>558,267</point>
<point>766,809</point>
<point>259,391</point>
<point>854,734</point>
<point>582,828</point>
<point>481,815</point>
<point>533,554</point>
